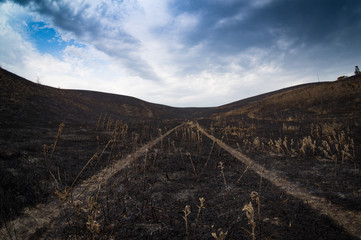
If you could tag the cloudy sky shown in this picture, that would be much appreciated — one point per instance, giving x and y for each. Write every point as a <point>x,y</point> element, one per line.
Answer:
<point>180,52</point>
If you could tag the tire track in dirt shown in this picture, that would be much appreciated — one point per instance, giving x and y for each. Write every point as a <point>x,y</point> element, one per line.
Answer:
<point>39,219</point>
<point>349,220</point>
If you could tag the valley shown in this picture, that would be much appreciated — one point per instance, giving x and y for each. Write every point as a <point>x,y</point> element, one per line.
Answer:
<point>88,165</point>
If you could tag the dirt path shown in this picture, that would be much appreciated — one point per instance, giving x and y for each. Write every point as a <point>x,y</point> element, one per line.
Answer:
<point>349,220</point>
<point>37,220</point>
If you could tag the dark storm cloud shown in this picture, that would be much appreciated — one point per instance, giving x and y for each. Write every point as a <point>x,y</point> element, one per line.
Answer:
<point>313,21</point>
<point>64,16</point>
<point>89,28</point>
<point>210,13</point>
<point>323,31</point>
<point>311,27</point>
<point>309,21</point>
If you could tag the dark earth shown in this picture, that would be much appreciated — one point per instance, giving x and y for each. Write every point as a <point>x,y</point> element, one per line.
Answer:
<point>147,199</point>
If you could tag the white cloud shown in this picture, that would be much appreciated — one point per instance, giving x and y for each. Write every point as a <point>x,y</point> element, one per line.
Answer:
<point>15,50</point>
<point>141,48</point>
<point>227,79</point>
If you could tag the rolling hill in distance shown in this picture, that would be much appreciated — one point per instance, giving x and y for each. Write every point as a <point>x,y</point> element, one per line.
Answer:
<point>25,101</point>
<point>30,102</point>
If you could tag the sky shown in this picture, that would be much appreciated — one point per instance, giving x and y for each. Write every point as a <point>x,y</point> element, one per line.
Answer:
<point>183,53</point>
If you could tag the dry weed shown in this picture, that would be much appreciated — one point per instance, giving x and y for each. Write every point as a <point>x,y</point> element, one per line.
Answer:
<point>249,209</point>
<point>186,211</point>
<point>221,166</point>
<point>200,207</point>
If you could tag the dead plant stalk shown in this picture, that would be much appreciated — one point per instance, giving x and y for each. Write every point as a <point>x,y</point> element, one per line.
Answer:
<point>200,207</point>
<point>187,211</point>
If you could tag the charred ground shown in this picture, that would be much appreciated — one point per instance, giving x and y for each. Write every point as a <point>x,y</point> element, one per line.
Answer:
<point>287,131</point>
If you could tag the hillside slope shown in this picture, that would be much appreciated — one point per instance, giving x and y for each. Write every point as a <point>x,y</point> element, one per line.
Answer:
<point>23,102</point>
<point>325,100</point>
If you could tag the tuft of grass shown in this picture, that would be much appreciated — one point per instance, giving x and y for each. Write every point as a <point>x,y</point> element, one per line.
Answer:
<point>92,224</point>
<point>308,146</point>
<point>221,235</point>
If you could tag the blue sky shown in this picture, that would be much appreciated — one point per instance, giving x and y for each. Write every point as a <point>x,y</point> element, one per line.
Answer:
<point>180,52</point>
<point>45,38</point>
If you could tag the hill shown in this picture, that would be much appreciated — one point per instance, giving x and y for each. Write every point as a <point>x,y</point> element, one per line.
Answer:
<point>23,102</point>
<point>325,100</point>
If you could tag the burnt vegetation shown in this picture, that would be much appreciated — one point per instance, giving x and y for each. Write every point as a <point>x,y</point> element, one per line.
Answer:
<point>114,167</point>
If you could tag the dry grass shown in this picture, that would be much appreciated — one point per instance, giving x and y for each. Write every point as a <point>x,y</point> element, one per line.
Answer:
<point>248,208</point>
<point>186,211</point>
<point>221,234</point>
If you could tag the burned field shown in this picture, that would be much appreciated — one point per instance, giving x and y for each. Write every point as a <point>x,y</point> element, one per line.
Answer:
<point>85,165</point>
<point>187,186</point>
